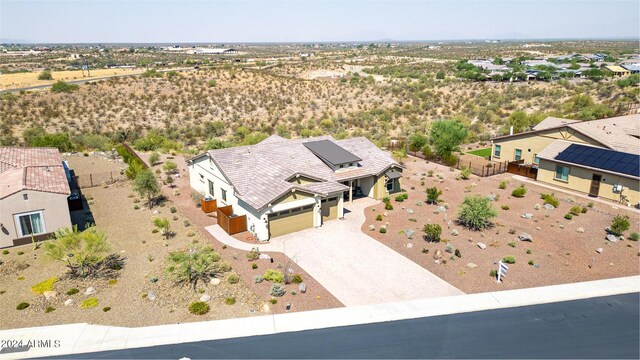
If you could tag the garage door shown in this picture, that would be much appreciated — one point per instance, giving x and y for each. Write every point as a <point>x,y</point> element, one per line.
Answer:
<point>288,221</point>
<point>329,209</point>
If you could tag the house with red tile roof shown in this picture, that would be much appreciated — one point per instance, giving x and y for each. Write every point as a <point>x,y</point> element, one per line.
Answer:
<point>33,194</point>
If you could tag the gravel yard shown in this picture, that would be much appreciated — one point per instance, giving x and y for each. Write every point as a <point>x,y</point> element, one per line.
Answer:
<point>129,232</point>
<point>562,251</point>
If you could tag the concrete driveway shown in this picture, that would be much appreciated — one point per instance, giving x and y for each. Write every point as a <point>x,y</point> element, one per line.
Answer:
<point>356,268</point>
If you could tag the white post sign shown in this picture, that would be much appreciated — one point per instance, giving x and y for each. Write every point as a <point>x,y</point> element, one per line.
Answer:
<point>502,270</point>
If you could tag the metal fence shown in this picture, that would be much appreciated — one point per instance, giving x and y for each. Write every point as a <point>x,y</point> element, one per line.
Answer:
<point>479,168</point>
<point>98,179</point>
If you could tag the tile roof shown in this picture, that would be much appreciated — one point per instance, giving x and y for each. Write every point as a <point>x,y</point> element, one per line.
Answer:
<point>259,172</point>
<point>38,169</point>
<point>620,133</point>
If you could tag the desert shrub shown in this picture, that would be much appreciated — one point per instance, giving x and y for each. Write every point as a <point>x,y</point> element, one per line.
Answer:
<point>22,306</point>
<point>170,166</point>
<point>519,192</point>
<point>112,282</point>
<point>475,212</point>
<point>146,185</point>
<point>619,224</point>
<point>530,262</point>
<point>433,195</point>
<point>63,87</point>
<point>173,210</point>
<point>503,184</point>
<point>509,259</point>
<point>199,308</point>
<point>151,73</point>
<point>230,300</point>
<point>493,273</point>
<point>273,275</point>
<point>49,309</point>
<point>45,75</point>
<point>432,232</point>
<point>635,236</point>
<point>254,266</point>
<point>253,255</point>
<point>106,308</point>
<point>154,158</point>
<point>450,159</point>
<point>402,197</point>
<point>465,173</point>
<point>189,267</point>
<point>568,216</point>
<point>163,225</point>
<point>512,244</point>
<point>296,279</point>
<point>388,206</point>
<point>277,290</point>
<point>584,210</point>
<point>379,217</point>
<point>5,252</point>
<point>258,279</point>
<point>273,301</point>
<point>550,199</point>
<point>590,204</point>
<point>576,210</point>
<point>89,303</point>
<point>386,199</point>
<point>383,230</point>
<point>233,278</point>
<point>46,285</point>
<point>505,207</point>
<point>72,291</point>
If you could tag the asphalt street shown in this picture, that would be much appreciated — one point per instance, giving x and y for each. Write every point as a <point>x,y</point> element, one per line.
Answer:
<point>606,327</point>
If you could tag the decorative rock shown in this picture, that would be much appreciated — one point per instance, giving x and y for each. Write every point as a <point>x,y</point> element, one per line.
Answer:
<point>50,295</point>
<point>482,246</point>
<point>151,295</point>
<point>526,216</point>
<point>410,211</point>
<point>156,212</point>
<point>90,291</point>
<point>599,250</point>
<point>372,228</point>
<point>68,302</point>
<point>437,254</point>
<point>612,238</point>
<point>205,297</point>
<point>471,265</point>
<point>409,233</point>
<point>538,228</point>
<point>302,287</point>
<point>455,232</point>
<point>525,237</point>
<point>409,245</point>
<point>561,226</point>
<point>548,206</point>
<point>537,207</point>
<point>439,210</point>
<point>437,261</point>
<point>580,230</point>
<point>262,257</point>
<point>385,214</point>
<point>492,197</point>
<point>215,281</point>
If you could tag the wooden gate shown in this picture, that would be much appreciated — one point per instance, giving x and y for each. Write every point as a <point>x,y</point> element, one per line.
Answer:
<point>230,223</point>
<point>519,168</point>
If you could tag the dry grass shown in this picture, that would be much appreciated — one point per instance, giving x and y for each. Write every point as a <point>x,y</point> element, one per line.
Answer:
<point>19,80</point>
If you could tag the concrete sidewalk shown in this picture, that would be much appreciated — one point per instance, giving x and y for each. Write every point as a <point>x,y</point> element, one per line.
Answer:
<point>84,338</point>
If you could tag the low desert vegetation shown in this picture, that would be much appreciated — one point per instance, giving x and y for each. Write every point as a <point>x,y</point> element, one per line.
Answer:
<point>476,213</point>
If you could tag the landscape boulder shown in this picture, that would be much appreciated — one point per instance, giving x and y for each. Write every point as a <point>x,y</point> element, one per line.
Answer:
<point>437,255</point>
<point>548,206</point>
<point>372,228</point>
<point>482,246</point>
<point>205,297</point>
<point>527,216</point>
<point>215,281</point>
<point>455,232</point>
<point>50,295</point>
<point>471,265</point>
<point>599,250</point>
<point>580,230</point>
<point>525,237</point>
<point>612,238</point>
<point>90,291</point>
<point>302,287</point>
<point>439,209</point>
<point>68,302</point>
<point>151,295</point>
<point>264,257</point>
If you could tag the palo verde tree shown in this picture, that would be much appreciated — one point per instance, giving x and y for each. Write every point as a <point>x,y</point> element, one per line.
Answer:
<point>446,136</point>
<point>146,185</point>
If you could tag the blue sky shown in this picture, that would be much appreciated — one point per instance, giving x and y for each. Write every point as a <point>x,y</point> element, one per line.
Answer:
<point>104,21</point>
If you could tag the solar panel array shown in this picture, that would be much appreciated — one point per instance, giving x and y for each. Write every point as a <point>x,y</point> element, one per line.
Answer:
<point>604,159</point>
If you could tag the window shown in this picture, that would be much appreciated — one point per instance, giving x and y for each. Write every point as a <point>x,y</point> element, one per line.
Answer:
<point>211,188</point>
<point>30,223</point>
<point>25,196</point>
<point>341,166</point>
<point>518,155</point>
<point>536,159</point>
<point>389,184</point>
<point>201,178</point>
<point>562,173</point>
<point>224,194</point>
<point>496,152</point>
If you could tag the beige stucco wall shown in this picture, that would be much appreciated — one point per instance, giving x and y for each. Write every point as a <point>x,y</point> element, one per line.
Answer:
<point>293,196</point>
<point>380,191</point>
<point>580,180</point>
<point>54,207</point>
<point>532,144</point>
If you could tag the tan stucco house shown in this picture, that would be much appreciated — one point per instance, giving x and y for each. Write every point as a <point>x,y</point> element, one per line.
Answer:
<point>285,185</point>
<point>33,194</point>
<point>596,157</point>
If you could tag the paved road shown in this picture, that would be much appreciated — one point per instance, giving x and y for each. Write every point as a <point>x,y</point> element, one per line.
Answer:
<point>82,81</point>
<point>605,327</point>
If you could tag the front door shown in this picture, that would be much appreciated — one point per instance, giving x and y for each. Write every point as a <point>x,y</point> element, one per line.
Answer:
<point>595,185</point>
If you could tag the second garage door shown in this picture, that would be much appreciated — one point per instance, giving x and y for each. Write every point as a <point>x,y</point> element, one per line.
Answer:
<point>288,221</point>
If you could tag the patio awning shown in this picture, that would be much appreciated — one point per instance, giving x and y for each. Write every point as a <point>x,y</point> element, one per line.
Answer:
<point>393,174</point>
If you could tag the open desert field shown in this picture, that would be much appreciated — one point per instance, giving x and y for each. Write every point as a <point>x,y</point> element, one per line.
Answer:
<point>26,79</point>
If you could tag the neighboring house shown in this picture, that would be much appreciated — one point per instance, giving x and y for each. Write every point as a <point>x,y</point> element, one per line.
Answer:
<point>284,185</point>
<point>633,67</point>
<point>618,70</point>
<point>598,157</point>
<point>33,194</point>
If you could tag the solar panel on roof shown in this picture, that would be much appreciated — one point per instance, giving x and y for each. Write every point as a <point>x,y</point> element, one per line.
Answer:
<point>604,159</point>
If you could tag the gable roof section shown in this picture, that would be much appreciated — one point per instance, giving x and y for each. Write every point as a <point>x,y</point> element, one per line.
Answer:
<point>552,122</point>
<point>37,169</point>
<point>593,157</point>
<point>330,152</point>
<point>620,133</point>
<point>260,173</point>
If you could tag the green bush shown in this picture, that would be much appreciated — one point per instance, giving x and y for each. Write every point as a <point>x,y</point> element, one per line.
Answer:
<point>433,195</point>
<point>199,308</point>
<point>386,199</point>
<point>402,197</point>
<point>5,252</point>
<point>493,273</point>
<point>173,210</point>
<point>476,212</point>
<point>383,230</point>
<point>509,259</point>
<point>89,303</point>
<point>503,184</point>
<point>576,210</point>
<point>550,199</point>
<point>253,255</point>
<point>296,279</point>
<point>254,266</point>
<point>465,173</point>
<point>22,306</point>
<point>277,290</point>
<point>530,262</point>
<point>72,291</point>
<point>62,87</point>
<point>233,278</point>
<point>106,308</point>
<point>519,192</point>
<point>635,236</point>
<point>45,75</point>
<point>151,73</point>
<point>568,216</point>
<point>379,217</point>
<point>230,300</point>
<point>49,309</point>
<point>46,285</point>
<point>619,224</point>
<point>432,232</point>
<point>505,207</point>
<point>273,275</point>
<point>388,206</point>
